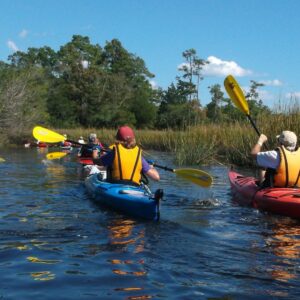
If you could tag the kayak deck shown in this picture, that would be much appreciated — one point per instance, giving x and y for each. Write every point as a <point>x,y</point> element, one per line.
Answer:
<point>282,201</point>
<point>135,201</point>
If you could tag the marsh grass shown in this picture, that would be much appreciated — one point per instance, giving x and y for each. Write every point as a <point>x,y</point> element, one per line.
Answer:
<point>208,143</point>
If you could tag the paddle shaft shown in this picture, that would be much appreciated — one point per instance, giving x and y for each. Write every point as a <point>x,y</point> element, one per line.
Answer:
<point>164,168</point>
<point>256,129</point>
<point>75,143</point>
<point>253,124</point>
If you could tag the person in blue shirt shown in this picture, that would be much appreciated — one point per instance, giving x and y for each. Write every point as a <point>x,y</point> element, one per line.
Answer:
<point>125,161</point>
<point>92,149</point>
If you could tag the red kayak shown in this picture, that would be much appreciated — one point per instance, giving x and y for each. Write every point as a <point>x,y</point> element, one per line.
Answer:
<point>86,160</point>
<point>282,201</point>
<point>42,145</point>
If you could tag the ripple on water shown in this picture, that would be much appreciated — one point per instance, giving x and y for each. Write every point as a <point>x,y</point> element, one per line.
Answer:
<point>57,243</point>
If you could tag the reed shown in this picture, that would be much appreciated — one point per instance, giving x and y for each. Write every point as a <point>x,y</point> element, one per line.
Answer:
<point>228,143</point>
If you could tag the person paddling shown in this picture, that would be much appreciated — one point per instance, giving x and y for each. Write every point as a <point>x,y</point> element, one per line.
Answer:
<point>125,162</point>
<point>282,165</point>
<point>92,149</point>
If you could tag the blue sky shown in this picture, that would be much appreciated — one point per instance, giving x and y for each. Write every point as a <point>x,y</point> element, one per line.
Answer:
<point>252,40</point>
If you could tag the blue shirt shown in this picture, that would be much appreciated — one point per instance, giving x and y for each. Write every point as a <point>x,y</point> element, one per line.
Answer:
<point>87,150</point>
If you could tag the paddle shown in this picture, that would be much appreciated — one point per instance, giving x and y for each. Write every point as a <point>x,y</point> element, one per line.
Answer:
<point>48,136</point>
<point>237,96</point>
<point>2,160</point>
<point>194,175</point>
<point>56,155</point>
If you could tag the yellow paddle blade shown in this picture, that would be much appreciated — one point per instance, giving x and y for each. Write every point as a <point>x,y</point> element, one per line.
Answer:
<point>56,155</point>
<point>45,135</point>
<point>236,94</point>
<point>196,176</point>
<point>2,160</point>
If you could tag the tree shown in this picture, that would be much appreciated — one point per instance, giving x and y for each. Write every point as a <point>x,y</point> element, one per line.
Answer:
<point>22,99</point>
<point>175,110</point>
<point>192,68</point>
<point>214,111</point>
<point>256,105</point>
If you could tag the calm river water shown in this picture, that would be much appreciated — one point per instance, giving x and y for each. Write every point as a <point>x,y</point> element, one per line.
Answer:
<point>58,244</point>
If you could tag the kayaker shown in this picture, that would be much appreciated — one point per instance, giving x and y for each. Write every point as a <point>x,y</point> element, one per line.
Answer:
<point>66,143</point>
<point>125,162</point>
<point>281,166</point>
<point>92,149</point>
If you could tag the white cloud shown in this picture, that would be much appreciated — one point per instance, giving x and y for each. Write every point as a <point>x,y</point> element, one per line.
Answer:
<point>23,33</point>
<point>293,95</point>
<point>218,67</point>
<point>274,82</point>
<point>265,95</point>
<point>12,46</point>
<point>153,84</point>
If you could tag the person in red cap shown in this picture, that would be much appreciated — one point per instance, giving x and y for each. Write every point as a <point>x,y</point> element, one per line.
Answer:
<point>125,162</point>
<point>281,164</point>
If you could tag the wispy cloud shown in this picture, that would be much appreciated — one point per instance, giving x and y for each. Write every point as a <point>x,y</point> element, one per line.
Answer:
<point>219,67</point>
<point>23,34</point>
<point>274,82</point>
<point>293,95</point>
<point>12,46</point>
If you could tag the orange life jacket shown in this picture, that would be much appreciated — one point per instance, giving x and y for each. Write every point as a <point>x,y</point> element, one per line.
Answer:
<point>127,164</point>
<point>288,171</point>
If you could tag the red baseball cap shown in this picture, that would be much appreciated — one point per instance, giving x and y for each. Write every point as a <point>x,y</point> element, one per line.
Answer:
<point>125,133</point>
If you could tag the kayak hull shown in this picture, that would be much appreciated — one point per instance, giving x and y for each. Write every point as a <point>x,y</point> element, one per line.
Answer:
<point>282,201</point>
<point>85,160</point>
<point>131,200</point>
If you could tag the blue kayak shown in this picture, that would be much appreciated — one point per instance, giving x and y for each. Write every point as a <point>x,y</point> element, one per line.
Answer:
<point>136,201</point>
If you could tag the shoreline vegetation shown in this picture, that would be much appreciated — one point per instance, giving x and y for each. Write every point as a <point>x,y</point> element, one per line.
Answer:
<point>200,145</point>
<point>84,87</point>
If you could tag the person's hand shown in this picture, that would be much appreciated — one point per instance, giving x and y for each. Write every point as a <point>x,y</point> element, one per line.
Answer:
<point>262,139</point>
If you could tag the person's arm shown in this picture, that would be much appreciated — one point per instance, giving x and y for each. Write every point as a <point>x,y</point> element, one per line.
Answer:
<point>95,153</point>
<point>153,174</point>
<point>257,147</point>
<point>105,160</point>
<point>149,170</point>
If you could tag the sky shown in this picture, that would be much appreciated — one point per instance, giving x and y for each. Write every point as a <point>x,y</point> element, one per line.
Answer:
<point>251,40</point>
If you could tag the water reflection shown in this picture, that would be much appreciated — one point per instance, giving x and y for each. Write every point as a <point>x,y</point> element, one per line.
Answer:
<point>128,236</point>
<point>285,244</point>
<point>42,276</point>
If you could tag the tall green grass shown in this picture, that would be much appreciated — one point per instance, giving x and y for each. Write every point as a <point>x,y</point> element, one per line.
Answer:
<point>208,143</point>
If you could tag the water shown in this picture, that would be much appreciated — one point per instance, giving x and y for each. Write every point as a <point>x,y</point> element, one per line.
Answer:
<point>58,244</point>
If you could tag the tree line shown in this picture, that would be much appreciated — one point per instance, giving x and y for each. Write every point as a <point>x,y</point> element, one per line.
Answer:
<point>86,85</point>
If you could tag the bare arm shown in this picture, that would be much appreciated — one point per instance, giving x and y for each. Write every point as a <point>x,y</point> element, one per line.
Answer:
<point>257,147</point>
<point>95,154</point>
<point>153,174</point>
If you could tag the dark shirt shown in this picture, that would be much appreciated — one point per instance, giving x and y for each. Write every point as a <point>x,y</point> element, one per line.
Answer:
<point>87,150</point>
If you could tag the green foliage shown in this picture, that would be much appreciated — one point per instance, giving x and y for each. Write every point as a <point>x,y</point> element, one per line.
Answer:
<point>22,99</point>
<point>88,86</point>
<point>192,72</point>
<point>214,112</point>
